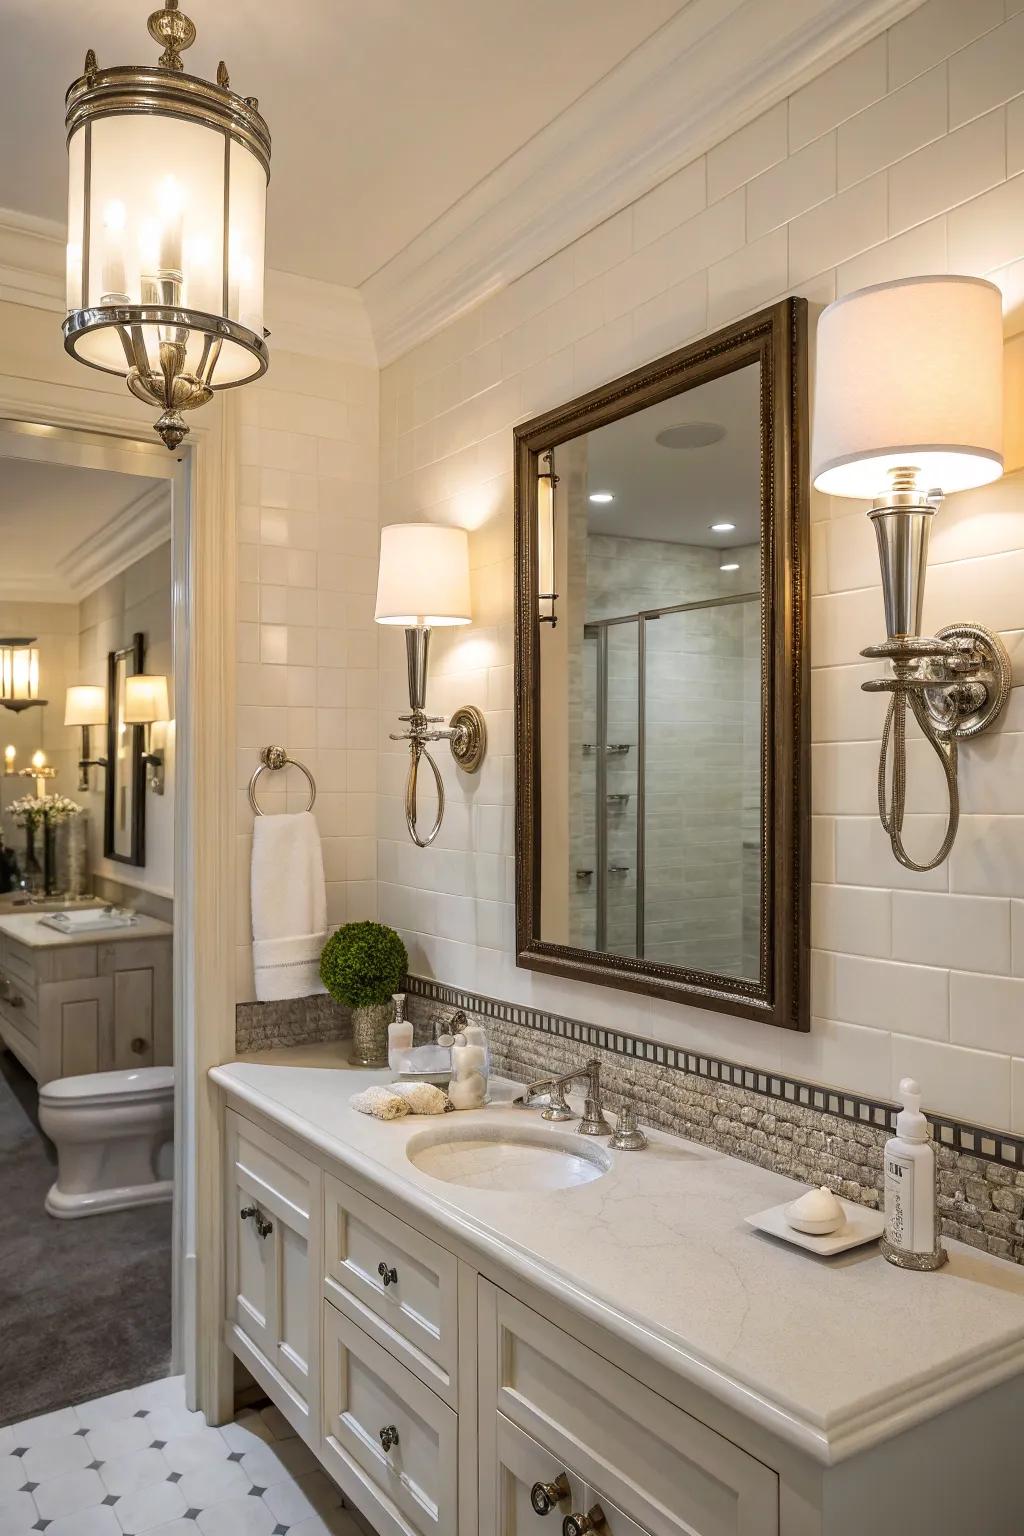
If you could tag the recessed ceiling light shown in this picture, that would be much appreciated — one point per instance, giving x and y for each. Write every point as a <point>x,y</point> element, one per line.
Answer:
<point>723,527</point>
<point>601,497</point>
<point>691,434</point>
<point>730,565</point>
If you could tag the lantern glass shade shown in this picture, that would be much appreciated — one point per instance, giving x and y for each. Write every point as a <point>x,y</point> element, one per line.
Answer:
<point>167,212</point>
<point>19,672</point>
<point>145,700</point>
<point>909,376</point>
<point>85,705</point>
<point>423,580</point>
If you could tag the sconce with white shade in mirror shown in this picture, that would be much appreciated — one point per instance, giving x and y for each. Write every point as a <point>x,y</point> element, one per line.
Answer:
<point>422,584</point>
<point>546,594</point>
<point>146,704</point>
<point>86,706</point>
<point>908,408</point>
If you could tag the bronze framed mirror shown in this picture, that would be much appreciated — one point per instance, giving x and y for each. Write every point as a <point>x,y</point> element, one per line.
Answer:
<point>124,820</point>
<point>662,813</point>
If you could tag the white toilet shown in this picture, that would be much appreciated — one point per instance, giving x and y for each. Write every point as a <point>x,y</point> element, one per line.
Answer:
<point>114,1135</point>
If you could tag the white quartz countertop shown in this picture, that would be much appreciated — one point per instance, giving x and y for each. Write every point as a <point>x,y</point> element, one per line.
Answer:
<point>833,1355</point>
<point>27,928</point>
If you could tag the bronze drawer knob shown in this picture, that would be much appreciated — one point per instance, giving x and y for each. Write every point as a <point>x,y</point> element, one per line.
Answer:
<point>544,1496</point>
<point>388,1273</point>
<point>388,1436</point>
<point>582,1525</point>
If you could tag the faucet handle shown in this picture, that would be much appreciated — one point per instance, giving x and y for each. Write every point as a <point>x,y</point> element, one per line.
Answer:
<point>627,1136</point>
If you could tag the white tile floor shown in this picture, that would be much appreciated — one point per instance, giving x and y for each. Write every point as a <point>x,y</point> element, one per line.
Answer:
<point>139,1464</point>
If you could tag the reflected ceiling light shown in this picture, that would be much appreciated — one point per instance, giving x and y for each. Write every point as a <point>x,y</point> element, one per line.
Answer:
<point>722,527</point>
<point>19,674</point>
<point>730,565</point>
<point>691,434</point>
<point>601,498</point>
<point>167,191</point>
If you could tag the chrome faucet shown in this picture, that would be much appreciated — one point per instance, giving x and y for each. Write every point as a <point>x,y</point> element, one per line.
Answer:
<point>593,1122</point>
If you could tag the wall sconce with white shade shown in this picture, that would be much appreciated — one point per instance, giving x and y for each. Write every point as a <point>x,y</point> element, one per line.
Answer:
<point>909,407</point>
<point>146,704</point>
<point>546,594</point>
<point>422,584</point>
<point>86,706</point>
<point>19,674</point>
<point>167,190</point>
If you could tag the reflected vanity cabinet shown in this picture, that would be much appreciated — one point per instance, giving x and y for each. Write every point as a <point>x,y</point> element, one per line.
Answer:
<point>74,1008</point>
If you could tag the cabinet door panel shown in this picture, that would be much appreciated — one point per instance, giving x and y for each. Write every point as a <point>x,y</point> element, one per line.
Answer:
<point>75,1028</point>
<point>273,1269</point>
<point>412,1484</point>
<point>133,1019</point>
<point>672,1474</point>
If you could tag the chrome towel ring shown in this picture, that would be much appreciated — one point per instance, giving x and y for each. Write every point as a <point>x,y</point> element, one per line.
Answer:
<point>275,758</point>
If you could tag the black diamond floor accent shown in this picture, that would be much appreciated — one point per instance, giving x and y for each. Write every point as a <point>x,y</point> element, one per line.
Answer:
<point>81,1431</point>
<point>29,1488</point>
<point>21,1451</point>
<point>111,1498</point>
<point>257,1493</point>
<point>94,1466</point>
<point>236,1456</point>
<point>192,1514</point>
<point>141,1413</point>
<point>280,1530</point>
<point>41,1525</point>
<point>174,1477</point>
<point>157,1445</point>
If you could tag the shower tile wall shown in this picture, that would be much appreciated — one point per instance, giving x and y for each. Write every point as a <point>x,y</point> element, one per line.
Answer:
<point>702,877</point>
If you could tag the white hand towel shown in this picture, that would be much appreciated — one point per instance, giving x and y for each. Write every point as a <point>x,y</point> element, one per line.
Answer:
<point>289,906</point>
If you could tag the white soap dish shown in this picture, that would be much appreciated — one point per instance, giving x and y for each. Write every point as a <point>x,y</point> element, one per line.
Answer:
<point>860,1225</point>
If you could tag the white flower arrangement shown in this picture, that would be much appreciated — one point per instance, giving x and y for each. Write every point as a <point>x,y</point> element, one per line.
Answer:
<point>31,811</point>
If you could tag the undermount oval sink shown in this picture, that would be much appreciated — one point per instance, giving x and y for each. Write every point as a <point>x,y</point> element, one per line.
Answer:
<point>507,1158</point>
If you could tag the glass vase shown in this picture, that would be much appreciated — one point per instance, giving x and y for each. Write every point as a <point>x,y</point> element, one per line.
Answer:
<point>370,1035</point>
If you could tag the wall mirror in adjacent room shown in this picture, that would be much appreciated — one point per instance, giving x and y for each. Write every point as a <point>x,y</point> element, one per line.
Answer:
<point>662,717</point>
<point>124,832</point>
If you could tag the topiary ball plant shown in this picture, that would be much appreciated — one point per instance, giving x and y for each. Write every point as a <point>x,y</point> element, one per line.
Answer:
<point>362,964</point>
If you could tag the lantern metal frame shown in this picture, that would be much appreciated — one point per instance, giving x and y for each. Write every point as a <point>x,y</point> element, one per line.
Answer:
<point>164,90</point>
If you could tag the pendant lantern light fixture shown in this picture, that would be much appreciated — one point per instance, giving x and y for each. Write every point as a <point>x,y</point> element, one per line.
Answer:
<point>167,189</point>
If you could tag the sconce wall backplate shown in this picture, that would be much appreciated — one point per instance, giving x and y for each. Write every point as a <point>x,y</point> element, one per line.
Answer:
<point>469,741</point>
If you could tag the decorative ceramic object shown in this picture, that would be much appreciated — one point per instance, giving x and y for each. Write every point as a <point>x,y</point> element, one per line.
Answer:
<point>817,1212</point>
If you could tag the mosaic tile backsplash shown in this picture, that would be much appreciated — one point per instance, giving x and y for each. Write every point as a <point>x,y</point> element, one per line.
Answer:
<point>817,1134</point>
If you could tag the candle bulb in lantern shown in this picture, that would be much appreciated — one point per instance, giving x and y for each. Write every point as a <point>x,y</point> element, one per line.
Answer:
<point>113,272</point>
<point>172,208</point>
<point>39,763</point>
<point>10,754</point>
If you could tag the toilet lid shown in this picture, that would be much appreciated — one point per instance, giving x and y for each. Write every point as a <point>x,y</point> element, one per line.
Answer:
<point>137,1083</point>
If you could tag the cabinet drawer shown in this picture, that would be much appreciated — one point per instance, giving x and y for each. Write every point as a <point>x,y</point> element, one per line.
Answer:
<point>273,1268</point>
<point>412,1307</point>
<point>405,1488</point>
<point>506,1482</point>
<point>22,1042</point>
<point>635,1450</point>
<point>19,964</point>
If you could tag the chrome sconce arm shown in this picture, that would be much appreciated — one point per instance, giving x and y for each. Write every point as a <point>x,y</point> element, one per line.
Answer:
<point>465,733</point>
<point>955,684</point>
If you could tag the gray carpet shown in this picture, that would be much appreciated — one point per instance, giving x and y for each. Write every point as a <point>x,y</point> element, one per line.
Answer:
<point>85,1306</point>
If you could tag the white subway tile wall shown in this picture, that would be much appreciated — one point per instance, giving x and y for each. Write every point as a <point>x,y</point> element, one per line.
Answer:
<point>855,179</point>
<point>306,643</point>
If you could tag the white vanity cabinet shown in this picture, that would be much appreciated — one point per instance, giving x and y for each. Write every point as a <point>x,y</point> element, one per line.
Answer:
<point>441,1375</point>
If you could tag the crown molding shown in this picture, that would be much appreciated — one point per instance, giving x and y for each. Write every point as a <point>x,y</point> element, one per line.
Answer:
<point>131,534</point>
<point>708,71</point>
<point>311,318</point>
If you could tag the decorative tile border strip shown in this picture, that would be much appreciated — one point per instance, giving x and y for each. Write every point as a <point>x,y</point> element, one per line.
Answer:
<point>878,1114</point>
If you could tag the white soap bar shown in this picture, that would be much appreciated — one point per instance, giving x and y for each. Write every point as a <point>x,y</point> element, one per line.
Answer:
<point>817,1211</point>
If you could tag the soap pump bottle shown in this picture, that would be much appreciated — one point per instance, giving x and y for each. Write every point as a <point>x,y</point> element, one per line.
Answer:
<point>911,1239</point>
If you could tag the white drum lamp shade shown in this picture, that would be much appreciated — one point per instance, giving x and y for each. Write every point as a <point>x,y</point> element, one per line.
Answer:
<point>423,580</point>
<point>85,705</point>
<point>909,375</point>
<point>145,699</point>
